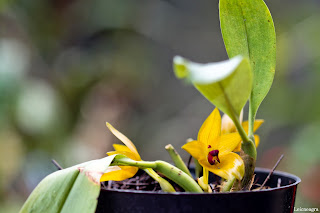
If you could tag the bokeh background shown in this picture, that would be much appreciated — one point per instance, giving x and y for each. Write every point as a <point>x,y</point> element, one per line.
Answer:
<point>68,66</point>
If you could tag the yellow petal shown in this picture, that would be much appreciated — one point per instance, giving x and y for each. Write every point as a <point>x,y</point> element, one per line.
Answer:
<point>228,142</point>
<point>205,176</point>
<point>238,148</point>
<point>120,147</point>
<point>125,172</point>
<point>129,154</point>
<point>123,138</point>
<point>256,125</point>
<point>196,149</point>
<point>211,128</point>
<point>231,166</point>
<point>256,140</point>
<point>123,148</point>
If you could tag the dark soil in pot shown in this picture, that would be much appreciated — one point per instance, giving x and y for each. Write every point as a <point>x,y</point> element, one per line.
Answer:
<point>278,198</point>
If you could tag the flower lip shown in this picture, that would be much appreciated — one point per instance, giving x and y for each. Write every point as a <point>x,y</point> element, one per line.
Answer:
<point>213,157</point>
<point>211,160</point>
<point>214,152</point>
<point>231,165</point>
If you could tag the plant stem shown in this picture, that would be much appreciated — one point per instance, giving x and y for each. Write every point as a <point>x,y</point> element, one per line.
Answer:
<point>251,118</point>
<point>248,152</point>
<point>177,159</point>
<point>178,176</point>
<point>249,166</point>
<point>124,161</point>
<point>248,145</point>
<point>164,184</point>
<point>240,129</point>
<point>170,171</point>
<point>228,185</point>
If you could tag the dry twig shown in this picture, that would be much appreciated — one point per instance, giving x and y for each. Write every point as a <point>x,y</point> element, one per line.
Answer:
<point>272,170</point>
<point>56,164</point>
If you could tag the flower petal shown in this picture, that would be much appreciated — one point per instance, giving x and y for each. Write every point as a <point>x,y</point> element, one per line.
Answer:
<point>238,148</point>
<point>124,172</point>
<point>196,149</point>
<point>256,140</point>
<point>120,147</point>
<point>231,166</point>
<point>228,142</point>
<point>256,125</point>
<point>123,138</point>
<point>123,148</point>
<point>227,125</point>
<point>211,128</point>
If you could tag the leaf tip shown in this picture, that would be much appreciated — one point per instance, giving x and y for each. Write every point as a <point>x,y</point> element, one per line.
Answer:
<point>179,67</point>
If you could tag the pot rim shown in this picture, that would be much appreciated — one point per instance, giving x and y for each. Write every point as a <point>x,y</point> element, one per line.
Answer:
<point>296,179</point>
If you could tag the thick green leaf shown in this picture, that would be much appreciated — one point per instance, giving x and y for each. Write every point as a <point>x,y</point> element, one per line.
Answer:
<point>226,84</point>
<point>247,29</point>
<point>74,189</point>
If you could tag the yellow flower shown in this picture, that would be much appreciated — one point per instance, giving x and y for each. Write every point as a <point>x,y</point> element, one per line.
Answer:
<point>227,126</point>
<point>119,173</point>
<point>214,151</point>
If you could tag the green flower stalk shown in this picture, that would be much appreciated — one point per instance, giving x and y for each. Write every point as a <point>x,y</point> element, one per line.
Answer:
<point>177,159</point>
<point>119,173</point>
<point>168,170</point>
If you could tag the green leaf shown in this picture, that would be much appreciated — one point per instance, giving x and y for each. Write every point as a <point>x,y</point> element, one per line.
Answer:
<point>226,84</point>
<point>248,30</point>
<point>74,189</point>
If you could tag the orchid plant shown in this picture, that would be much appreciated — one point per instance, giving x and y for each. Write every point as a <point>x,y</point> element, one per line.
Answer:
<point>225,147</point>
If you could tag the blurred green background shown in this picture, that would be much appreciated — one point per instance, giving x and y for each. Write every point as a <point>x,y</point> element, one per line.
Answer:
<point>68,66</point>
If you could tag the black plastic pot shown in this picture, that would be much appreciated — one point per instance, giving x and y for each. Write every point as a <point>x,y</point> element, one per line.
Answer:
<point>276,200</point>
